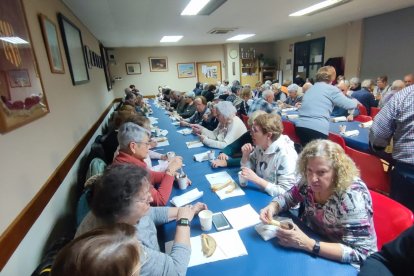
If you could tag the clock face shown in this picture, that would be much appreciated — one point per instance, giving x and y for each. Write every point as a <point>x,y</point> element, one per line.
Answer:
<point>233,54</point>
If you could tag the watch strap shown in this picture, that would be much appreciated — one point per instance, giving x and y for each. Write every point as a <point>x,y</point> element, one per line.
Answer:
<point>183,222</point>
<point>316,248</point>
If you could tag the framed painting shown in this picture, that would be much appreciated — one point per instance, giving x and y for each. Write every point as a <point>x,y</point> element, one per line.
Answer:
<point>23,98</point>
<point>158,64</point>
<point>186,70</point>
<point>105,66</point>
<point>72,40</point>
<point>52,44</point>
<point>133,68</point>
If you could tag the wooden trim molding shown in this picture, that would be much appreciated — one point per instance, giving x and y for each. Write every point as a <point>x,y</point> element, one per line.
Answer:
<point>17,230</point>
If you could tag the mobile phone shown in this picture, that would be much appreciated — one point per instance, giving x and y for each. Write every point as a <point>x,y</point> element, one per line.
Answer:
<point>220,221</point>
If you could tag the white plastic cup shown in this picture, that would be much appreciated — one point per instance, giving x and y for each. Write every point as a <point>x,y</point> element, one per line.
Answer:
<point>342,128</point>
<point>170,155</point>
<point>206,220</point>
<point>183,182</point>
<point>211,155</point>
<point>242,180</point>
<point>157,132</point>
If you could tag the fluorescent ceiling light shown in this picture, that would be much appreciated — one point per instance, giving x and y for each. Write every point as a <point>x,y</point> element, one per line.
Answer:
<point>171,38</point>
<point>240,37</point>
<point>317,7</point>
<point>194,7</point>
<point>14,40</point>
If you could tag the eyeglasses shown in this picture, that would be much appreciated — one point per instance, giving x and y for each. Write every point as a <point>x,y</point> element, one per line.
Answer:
<point>145,143</point>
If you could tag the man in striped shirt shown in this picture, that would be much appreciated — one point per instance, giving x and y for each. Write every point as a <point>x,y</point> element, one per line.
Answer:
<point>396,120</point>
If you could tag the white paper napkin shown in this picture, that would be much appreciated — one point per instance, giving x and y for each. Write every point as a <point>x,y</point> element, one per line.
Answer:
<point>200,157</point>
<point>228,245</point>
<point>194,144</point>
<point>223,177</point>
<point>289,109</point>
<point>185,131</point>
<point>351,133</point>
<point>242,217</point>
<point>292,116</point>
<point>186,198</point>
<point>339,119</point>
<point>366,124</point>
<point>176,123</point>
<point>268,231</point>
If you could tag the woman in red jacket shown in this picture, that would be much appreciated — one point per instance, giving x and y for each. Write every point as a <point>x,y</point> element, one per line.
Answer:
<point>134,143</point>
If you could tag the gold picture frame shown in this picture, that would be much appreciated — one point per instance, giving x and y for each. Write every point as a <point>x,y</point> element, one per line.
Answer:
<point>158,64</point>
<point>186,70</point>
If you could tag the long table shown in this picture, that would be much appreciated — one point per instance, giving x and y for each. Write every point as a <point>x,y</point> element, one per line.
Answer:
<point>359,142</point>
<point>264,258</point>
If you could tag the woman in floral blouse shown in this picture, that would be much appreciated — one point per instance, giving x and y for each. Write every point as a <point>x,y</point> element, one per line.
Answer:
<point>271,164</point>
<point>337,206</point>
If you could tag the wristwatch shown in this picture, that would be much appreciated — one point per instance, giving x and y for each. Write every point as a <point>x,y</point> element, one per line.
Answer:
<point>183,222</point>
<point>316,248</point>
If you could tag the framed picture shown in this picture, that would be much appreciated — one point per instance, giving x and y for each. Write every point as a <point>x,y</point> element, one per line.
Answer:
<point>19,78</point>
<point>72,40</point>
<point>52,44</point>
<point>105,66</point>
<point>133,68</point>
<point>186,70</point>
<point>158,64</point>
<point>22,96</point>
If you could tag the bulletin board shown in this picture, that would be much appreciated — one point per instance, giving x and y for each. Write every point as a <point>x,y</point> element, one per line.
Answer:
<point>209,72</point>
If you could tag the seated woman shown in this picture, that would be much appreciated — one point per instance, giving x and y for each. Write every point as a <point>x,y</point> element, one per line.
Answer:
<point>134,145</point>
<point>230,156</point>
<point>210,120</point>
<point>271,163</point>
<point>190,107</point>
<point>293,100</point>
<point>337,206</point>
<point>243,107</point>
<point>230,127</point>
<point>122,195</point>
<point>201,109</point>
<point>110,250</point>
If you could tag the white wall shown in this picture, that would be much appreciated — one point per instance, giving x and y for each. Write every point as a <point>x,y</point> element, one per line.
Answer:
<point>147,82</point>
<point>31,153</point>
<point>341,41</point>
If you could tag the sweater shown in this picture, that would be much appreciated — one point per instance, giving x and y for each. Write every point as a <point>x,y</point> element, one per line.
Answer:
<point>224,135</point>
<point>161,180</point>
<point>317,105</point>
<point>235,149</point>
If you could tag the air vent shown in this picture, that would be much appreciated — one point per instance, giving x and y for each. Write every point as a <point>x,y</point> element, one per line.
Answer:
<point>221,30</point>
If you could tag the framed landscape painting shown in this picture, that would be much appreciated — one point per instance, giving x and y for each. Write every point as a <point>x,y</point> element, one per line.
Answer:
<point>186,70</point>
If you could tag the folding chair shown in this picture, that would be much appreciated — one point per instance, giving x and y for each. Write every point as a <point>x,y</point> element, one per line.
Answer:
<point>337,139</point>
<point>374,111</point>
<point>363,118</point>
<point>289,129</point>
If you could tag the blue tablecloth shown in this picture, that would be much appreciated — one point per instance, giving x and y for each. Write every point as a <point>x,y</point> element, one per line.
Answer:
<point>264,258</point>
<point>359,142</point>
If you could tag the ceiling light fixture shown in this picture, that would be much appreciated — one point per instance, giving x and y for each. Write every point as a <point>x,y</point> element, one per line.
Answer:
<point>194,7</point>
<point>319,7</point>
<point>240,37</point>
<point>171,38</point>
<point>14,39</point>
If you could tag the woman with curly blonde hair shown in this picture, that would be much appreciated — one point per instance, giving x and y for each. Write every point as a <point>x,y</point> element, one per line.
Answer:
<point>337,206</point>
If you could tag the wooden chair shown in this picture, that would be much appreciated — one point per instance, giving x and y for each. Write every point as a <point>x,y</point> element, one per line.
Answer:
<point>390,218</point>
<point>374,111</point>
<point>371,169</point>
<point>362,110</point>
<point>363,118</point>
<point>289,129</point>
<point>337,139</point>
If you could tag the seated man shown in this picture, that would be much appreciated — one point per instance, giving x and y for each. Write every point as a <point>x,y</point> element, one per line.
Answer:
<point>264,103</point>
<point>396,86</point>
<point>365,96</point>
<point>201,109</point>
<point>339,111</point>
<point>190,108</point>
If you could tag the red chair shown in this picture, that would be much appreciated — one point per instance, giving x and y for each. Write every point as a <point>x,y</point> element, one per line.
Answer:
<point>374,111</point>
<point>362,118</point>
<point>337,139</point>
<point>362,109</point>
<point>371,169</point>
<point>390,218</point>
<point>245,120</point>
<point>289,129</point>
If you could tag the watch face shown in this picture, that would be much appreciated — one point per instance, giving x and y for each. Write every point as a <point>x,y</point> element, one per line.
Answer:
<point>233,54</point>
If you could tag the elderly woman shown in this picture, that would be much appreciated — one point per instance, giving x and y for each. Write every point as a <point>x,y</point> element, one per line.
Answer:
<point>93,253</point>
<point>337,206</point>
<point>317,105</point>
<point>279,94</point>
<point>293,99</point>
<point>122,195</point>
<point>244,105</point>
<point>230,127</point>
<point>134,143</point>
<point>190,107</point>
<point>230,156</point>
<point>210,120</point>
<point>271,164</point>
<point>201,109</point>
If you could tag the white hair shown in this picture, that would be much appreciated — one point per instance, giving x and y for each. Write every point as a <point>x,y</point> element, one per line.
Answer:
<point>267,93</point>
<point>130,132</point>
<point>397,85</point>
<point>226,109</point>
<point>293,87</point>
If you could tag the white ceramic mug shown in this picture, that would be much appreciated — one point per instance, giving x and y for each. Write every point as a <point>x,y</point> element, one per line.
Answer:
<point>206,220</point>
<point>242,180</point>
